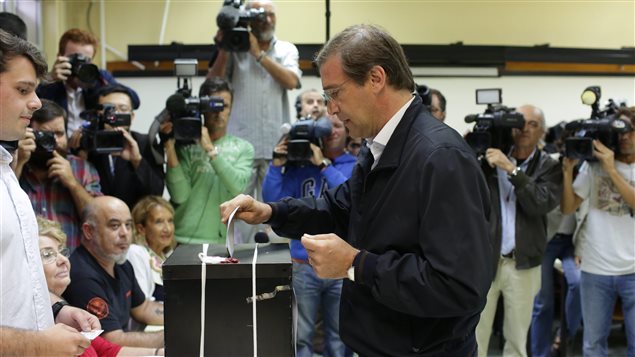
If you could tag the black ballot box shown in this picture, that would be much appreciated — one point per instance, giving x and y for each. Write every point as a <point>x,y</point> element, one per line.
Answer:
<point>228,314</point>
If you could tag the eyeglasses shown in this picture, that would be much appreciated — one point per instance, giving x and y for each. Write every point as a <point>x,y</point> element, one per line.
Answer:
<point>333,93</point>
<point>119,108</point>
<point>49,255</point>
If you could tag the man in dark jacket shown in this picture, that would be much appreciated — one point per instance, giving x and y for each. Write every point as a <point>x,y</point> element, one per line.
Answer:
<point>409,228</point>
<point>525,184</point>
<point>132,173</point>
<point>75,79</point>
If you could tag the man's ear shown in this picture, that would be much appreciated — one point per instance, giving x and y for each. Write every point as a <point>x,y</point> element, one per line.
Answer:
<point>87,229</point>
<point>377,78</point>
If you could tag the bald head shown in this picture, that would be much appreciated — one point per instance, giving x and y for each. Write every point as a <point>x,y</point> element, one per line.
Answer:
<point>534,112</point>
<point>107,229</point>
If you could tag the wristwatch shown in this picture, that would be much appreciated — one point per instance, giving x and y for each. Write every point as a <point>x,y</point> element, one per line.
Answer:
<point>514,172</point>
<point>57,307</point>
<point>325,162</point>
<point>351,273</point>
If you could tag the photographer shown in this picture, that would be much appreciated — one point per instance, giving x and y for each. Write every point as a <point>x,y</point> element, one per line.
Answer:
<point>437,104</point>
<point>524,186</point>
<point>76,50</point>
<point>260,78</point>
<point>58,184</point>
<point>200,176</point>
<point>132,173</point>
<point>605,239</point>
<point>328,168</point>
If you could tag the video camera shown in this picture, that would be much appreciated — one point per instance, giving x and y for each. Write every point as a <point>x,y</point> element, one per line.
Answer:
<point>603,125</point>
<point>233,19</point>
<point>186,110</point>
<point>493,128</point>
<point>304,132</point>
<point>81,68</point>
<point>95,138</point>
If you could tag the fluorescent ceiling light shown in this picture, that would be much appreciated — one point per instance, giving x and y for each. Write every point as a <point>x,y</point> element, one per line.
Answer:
<point>454,71</point>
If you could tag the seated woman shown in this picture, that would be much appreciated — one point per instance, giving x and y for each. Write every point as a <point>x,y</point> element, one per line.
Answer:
<point>57,270</point>
<point>154,241</point>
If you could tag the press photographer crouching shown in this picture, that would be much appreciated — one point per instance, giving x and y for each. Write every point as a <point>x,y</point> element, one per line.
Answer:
<point>525,184</point>
<point>59,184</point>
<point>203,173</point>
<point>122,157</point>
<point>298,172</point>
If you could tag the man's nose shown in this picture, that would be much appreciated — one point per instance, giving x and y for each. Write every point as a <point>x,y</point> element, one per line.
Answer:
<point>332,108</point>
<point>35,103</point>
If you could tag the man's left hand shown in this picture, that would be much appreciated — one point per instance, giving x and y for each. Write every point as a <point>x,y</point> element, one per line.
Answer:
<point>317,157</point>
<point>60,168</point>
<point>605,156</point>
<point>77,318</point>
<point>329,255</point>
<point>496,158</point>
<point>254,47</point>
<point>130,150</point>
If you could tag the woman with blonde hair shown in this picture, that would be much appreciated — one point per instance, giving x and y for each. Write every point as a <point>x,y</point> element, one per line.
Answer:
<point>154,241</point>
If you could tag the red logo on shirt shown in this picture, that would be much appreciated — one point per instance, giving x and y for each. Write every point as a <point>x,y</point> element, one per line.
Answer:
<point>128,293</point>
<point>98,307</point>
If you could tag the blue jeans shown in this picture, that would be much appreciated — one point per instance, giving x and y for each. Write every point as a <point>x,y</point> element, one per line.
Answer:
<point>311,293</point>
<point>599,293</point>
<point>561,246</point>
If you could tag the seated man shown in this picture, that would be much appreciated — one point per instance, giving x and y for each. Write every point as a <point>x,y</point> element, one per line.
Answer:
<point>202,175</point>
<point>328,168</point>
<point>76,47</point>
<point>57,268</point>
<point>103,281</point>
<point>58,184</point>
<point>132,173</point>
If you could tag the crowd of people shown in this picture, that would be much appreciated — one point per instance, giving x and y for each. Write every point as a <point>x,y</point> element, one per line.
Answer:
<point>402,240</point>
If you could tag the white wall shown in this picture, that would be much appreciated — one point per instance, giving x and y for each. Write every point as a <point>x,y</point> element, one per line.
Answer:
<point>559,97</point>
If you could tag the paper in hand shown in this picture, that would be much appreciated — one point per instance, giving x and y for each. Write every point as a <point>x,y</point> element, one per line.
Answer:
<point>91,335</point>
<point>230,233</point>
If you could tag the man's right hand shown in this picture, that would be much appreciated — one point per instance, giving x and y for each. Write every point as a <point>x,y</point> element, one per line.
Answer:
<point>62,340</point>
<point>250,210</point>
<point>61,69</point>
<point>280,149</point>
<point>26,146</point>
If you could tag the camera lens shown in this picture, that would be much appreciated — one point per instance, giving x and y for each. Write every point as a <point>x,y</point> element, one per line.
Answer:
<point>88,73</point>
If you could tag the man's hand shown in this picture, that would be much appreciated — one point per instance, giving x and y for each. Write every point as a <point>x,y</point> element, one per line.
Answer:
<point>329,255</point>
<point>254,47</point>
<point>496,158</point>
<point>605,156</point>
<point>130,150</point>
<point>280,149</point>
<point>250,210</point>
<point>80,319</point>
<point>61,169</point>
<point>26,146</point>
<point>317,157</point>
<point>61,69</point>
<point>62,340</point>
<point>206,142</point>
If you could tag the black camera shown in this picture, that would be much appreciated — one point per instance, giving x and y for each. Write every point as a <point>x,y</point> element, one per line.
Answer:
<point>233,19</point>
<point>493,128</point>
<point>81,68</point>
<point>304,132</point>
<point>603,125</point>
<point>95,138</point>
<point>186,110</point>
<point>44,147</point>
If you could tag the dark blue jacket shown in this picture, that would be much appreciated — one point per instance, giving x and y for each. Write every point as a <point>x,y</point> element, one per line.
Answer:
<point>420,220</point>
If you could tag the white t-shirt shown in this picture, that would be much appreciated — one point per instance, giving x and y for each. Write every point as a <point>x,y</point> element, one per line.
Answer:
<point>147,268</point>
<point>608,234</point>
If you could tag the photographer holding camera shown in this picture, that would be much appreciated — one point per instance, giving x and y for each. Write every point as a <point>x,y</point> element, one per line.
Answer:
<point>58,184</point>
<point>525,184</point>
<point>202,175</point>
<point>328,168</point>
<point>75,79</point>
<point>132,173</point>
<point>605,239</point>
<point>260,77</point>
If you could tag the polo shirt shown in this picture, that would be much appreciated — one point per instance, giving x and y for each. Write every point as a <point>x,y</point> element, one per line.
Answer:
<point>94,290</point>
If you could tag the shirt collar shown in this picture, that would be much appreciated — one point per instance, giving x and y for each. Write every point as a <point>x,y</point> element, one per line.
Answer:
<point>380,140</point>
<point>5,156</point>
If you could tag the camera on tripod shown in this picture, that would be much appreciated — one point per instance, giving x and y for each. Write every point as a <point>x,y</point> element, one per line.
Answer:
<point>95,137</point>
<point>186,110</point>
<point>302,134</point>
<point>233,19</point>
<point>603,125</point>
<point>493,128</point>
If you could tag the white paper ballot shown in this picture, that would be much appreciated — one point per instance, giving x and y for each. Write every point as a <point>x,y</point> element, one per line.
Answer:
<point>230,233</point>
<point>91,335</point>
